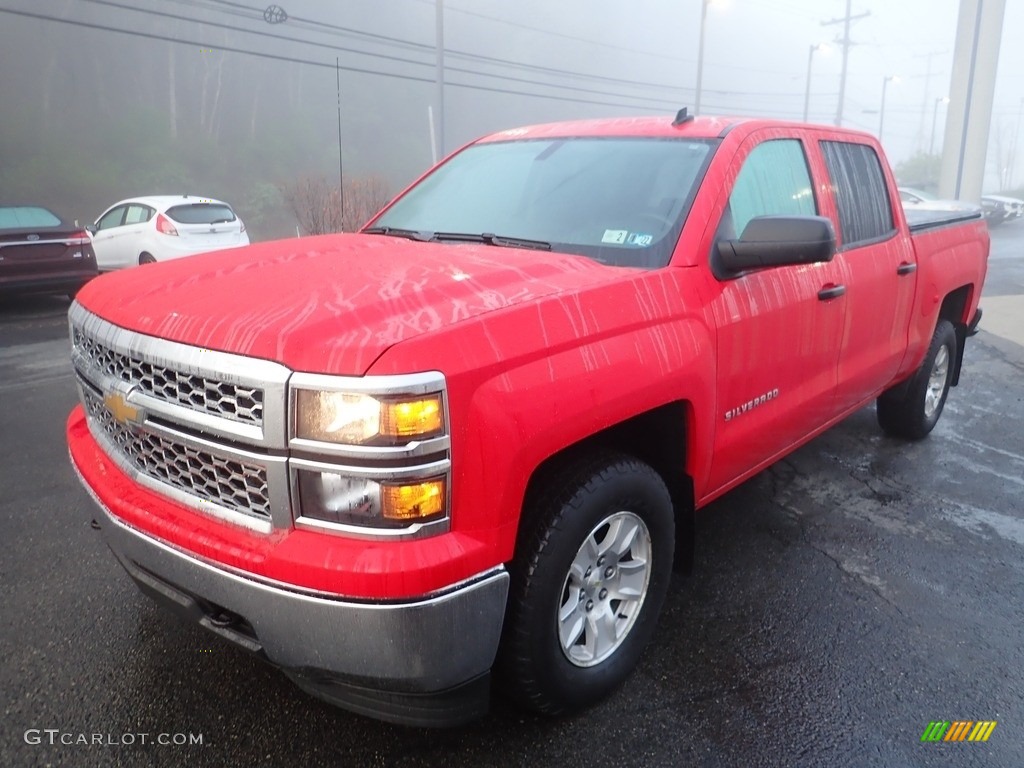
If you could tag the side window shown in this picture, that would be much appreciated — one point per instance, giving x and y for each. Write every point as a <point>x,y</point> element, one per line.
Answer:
<point>774,181</point>
<point>862,196</point>
<point>111,218</point>
<point>138,214</point>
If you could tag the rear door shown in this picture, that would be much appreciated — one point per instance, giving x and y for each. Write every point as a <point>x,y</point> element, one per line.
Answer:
<point>133,235</point>
<point>778,328</point>
<point>879,267</point>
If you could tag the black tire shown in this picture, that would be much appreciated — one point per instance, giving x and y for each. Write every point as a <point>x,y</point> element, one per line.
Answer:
<point>145,258</point>
<point>564,512</point>
<point>911,410</point>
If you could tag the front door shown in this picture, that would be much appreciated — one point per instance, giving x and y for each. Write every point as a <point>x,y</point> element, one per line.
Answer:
<point>779,329</point>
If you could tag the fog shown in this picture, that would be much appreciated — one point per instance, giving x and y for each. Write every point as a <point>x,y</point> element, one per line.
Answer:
<point>105,99</point>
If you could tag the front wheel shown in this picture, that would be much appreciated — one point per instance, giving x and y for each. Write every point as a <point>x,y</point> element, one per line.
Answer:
<point>589,578</point>
<point>912,409</point>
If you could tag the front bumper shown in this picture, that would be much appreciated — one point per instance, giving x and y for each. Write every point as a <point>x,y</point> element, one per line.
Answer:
<point>419,660</point>
<point>422,662</point>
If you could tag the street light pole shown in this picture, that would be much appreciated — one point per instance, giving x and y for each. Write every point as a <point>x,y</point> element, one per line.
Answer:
<point>935,119</point>
<point>810,59</point>
<point>881,113</point>
<point>700,54</point>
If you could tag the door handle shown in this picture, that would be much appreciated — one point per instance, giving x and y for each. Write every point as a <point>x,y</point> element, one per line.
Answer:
<point>831,292</point>
<point>906,268</point>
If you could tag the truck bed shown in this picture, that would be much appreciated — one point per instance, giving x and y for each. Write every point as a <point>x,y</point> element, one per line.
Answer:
<point>919,220</point>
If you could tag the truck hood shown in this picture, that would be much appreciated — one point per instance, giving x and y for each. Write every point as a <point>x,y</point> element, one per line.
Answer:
<point>329,304</point>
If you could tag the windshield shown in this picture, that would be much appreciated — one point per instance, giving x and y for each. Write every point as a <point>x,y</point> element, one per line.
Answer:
<point>620,201</point>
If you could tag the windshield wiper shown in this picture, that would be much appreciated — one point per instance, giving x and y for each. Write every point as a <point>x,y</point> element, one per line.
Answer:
<point>409,234</point>
<point>497,240</point>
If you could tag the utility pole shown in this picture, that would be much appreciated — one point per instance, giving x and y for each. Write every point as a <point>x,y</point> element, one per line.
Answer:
<point>439,74</point>
<point>845,42</point>
<point>341,166</point>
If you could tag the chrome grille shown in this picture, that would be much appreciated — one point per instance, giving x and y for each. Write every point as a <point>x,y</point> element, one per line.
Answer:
<point>218,398</point>
<point>236,485</point>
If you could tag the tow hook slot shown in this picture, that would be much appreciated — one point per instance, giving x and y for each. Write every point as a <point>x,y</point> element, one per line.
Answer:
<point>229,625</point>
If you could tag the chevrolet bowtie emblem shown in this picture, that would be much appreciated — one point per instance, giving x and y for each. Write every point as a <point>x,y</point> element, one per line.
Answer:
<point>123,412</point>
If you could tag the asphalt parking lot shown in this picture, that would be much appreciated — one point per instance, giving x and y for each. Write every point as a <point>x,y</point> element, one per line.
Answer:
<point>841,601</point>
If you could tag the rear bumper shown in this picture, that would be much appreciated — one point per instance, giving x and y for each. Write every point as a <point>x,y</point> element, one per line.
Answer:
<point>64,282</point>
<point>420,662</point>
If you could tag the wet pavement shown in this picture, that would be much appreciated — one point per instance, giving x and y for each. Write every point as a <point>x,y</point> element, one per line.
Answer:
<point>841,601</point>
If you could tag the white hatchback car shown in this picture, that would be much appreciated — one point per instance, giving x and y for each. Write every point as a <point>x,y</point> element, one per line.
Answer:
<point>143,230</point>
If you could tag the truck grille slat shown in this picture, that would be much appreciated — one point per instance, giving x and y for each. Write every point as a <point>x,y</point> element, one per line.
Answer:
<point>229,483</point>
<point>218,398</point>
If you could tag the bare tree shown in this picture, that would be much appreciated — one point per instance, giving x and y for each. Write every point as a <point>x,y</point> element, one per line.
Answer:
<point>363,198</point>
<point>317,204</point>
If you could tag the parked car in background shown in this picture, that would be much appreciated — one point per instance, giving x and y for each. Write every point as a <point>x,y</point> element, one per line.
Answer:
<point>998,208</point>
<point>42,253</point>
<point>143,230</point>
<point>916,199</point>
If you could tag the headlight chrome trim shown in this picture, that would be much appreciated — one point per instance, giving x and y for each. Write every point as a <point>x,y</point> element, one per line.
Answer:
<point>417,459</point>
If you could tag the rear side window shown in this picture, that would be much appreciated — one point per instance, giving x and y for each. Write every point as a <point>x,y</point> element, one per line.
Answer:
<point>138,214</point>
<point>201,213</point>
<point>862,196</point>
<point>774,181</point>
<point>22,217</point>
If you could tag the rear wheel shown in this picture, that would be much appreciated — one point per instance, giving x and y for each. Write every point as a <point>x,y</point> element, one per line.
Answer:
<point>912,409</point>
<point>589,580</point>
<point>146,258</point>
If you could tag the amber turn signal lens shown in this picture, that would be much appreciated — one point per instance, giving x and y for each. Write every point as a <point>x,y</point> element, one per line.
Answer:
<point>413,502</point>
<point>412,418</point>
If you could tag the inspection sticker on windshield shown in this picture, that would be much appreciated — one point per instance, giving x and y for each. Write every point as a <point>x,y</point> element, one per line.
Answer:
<point>638,238</point>
<point>615,236</point>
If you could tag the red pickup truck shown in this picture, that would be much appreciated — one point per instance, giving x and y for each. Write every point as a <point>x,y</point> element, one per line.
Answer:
<point>472,436</point>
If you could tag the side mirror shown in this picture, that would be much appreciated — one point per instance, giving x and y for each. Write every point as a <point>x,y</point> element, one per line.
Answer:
<point>91,229</point>
<point>777,241</point>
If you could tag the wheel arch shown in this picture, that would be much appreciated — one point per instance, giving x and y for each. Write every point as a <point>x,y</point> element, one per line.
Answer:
<point>658,437</point>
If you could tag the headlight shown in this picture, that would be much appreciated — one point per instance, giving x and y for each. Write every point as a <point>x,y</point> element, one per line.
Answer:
<point>348,500</point>
<point>360,419</point>
<point>370,456</point>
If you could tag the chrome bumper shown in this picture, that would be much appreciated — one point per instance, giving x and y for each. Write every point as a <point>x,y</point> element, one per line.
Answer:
<point>423,661</point>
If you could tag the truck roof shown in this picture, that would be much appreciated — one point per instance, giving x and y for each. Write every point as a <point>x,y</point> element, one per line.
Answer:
<point>660,126</point>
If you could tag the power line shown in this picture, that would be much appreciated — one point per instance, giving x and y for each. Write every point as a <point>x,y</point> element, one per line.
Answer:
<point>426,48</point>
<point>262,33</point>
<point>413,78</point>
<point>259,33</point>
<point>321,64</point>
<point>507,62</point>
<point>315,25</point>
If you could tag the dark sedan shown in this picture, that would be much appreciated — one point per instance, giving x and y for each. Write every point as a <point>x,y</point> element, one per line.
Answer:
<point>42,253</point>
